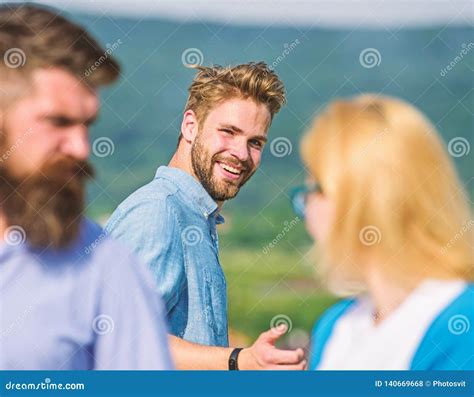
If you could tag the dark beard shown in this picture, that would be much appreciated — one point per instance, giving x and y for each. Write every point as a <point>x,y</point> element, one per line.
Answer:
<point>48,205</point>
<point>203,165</point>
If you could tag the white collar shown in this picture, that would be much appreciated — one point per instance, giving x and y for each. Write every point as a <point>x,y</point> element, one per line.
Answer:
<point>357,343</point>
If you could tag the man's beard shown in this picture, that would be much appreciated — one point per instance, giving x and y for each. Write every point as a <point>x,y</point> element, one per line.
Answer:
<point>203,166</point>
<point>48,204</point>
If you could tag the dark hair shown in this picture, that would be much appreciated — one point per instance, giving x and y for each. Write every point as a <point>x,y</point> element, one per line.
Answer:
<point>33,36</point>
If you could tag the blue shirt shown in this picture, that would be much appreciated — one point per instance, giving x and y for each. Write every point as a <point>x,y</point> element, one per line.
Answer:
<point>171,224</point>
<point>91,306</point>
<point>447,344</point>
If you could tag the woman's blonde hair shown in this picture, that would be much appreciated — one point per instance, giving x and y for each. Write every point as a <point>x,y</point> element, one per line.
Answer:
<point>397,197</point>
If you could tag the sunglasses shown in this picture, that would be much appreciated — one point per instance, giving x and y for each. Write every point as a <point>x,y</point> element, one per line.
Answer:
<point>299,196</point>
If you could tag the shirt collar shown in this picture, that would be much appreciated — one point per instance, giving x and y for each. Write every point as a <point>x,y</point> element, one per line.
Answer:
<point>192,188</point>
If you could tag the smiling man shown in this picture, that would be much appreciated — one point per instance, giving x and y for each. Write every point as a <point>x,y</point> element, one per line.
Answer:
<point>171,221</point>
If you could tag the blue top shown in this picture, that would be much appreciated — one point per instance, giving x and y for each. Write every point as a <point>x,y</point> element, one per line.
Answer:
<point>448,344</point>
<point>88,307</point>
<point>171,224</point>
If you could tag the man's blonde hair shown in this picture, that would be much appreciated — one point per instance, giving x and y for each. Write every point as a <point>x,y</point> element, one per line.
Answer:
<point>395,190</point>
<point>214,84</point>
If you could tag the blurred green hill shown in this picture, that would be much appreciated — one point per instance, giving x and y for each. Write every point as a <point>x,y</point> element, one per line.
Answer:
<point>142,115</point>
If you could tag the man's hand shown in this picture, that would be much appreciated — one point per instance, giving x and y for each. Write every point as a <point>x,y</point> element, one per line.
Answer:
<point>264,355</point>
<point>261,355</point>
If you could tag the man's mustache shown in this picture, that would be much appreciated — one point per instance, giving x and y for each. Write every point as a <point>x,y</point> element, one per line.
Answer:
<point>244,166</point>
<point>67,167</point>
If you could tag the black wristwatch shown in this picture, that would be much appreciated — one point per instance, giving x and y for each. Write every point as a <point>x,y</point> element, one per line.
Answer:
<point>233,359</point>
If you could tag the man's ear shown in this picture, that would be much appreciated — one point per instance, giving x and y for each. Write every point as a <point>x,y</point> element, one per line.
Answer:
<point>189,126</point>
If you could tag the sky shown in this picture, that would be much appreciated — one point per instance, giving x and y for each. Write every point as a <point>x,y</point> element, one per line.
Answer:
<point>330,13</point>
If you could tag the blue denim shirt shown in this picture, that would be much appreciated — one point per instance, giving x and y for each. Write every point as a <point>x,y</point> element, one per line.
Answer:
<point>171,224</point>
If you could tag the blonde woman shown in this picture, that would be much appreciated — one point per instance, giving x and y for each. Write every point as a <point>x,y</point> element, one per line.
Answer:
<point>394,233</point>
